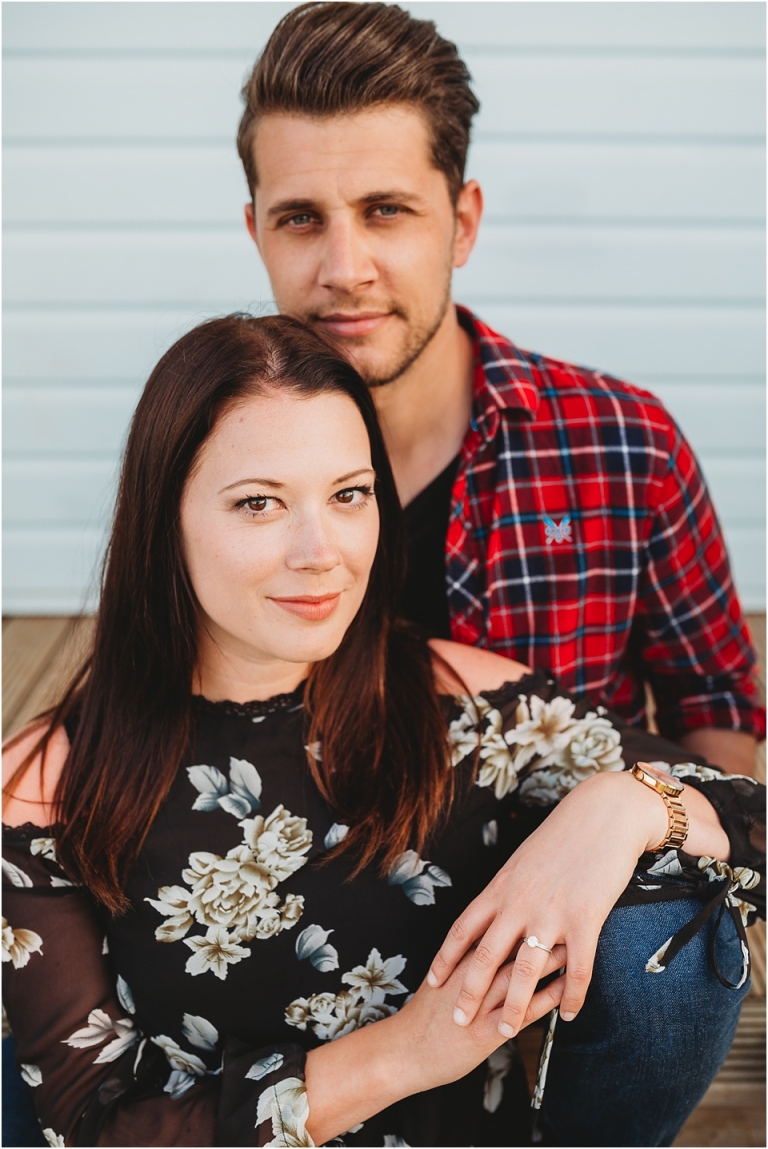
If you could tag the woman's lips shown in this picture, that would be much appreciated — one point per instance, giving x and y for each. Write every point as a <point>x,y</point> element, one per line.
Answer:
<point>349,325</point>
<point>314,608</point>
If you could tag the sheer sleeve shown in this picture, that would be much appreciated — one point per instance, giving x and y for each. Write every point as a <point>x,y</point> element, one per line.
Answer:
<point>96,1079</point>
<point>535,743</point>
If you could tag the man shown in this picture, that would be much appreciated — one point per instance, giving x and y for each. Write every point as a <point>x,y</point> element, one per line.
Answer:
<point>555,514</point>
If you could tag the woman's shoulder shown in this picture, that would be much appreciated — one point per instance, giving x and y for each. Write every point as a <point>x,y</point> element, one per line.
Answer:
<point>479,670</point>
<point>29,797</point>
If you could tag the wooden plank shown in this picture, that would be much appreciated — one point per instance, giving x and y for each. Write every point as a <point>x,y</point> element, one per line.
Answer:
<point>529,180</point>
<point>190,98</point>
<point>756,935</point>
<point>225,27</point>
<point>546,263</point>
<point>29,646</point>
<point>59,669</point>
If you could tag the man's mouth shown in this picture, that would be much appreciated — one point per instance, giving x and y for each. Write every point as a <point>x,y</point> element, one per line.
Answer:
<point>312,607</point>
<point>358,323</point>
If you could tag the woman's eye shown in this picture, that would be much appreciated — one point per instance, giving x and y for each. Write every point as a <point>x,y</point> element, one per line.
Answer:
<point>258,504</point>
<point>353,496</point>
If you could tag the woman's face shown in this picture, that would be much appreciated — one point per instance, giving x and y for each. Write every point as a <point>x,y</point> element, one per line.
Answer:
<point>280,526</point>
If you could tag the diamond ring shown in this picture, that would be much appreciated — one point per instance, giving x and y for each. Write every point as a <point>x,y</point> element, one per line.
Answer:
<point>535,944</point>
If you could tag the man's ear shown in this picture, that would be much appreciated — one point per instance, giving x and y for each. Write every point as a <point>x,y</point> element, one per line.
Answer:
<point>250,222</point>
<point>469,210</point>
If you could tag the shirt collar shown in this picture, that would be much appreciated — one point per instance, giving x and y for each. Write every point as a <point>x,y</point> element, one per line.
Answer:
<point>505,378</point>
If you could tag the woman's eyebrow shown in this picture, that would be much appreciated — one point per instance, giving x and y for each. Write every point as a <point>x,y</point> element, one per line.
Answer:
<point>353,474</point>
<point>256,482</point>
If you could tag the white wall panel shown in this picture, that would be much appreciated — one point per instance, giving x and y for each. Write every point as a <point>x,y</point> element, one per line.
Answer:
<point>534,181</point>
<point>197,98</point>
<point>225,26</point>
<point>621,152</point>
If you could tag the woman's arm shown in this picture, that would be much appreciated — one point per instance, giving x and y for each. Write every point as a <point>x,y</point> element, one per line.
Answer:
<point>562,882</point>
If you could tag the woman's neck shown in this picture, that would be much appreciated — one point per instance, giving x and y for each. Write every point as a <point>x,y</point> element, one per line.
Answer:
<point>242,676</point>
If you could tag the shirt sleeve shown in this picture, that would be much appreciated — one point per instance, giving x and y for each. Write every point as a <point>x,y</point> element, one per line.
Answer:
<point>694,644</point>
<point>96,1078</point>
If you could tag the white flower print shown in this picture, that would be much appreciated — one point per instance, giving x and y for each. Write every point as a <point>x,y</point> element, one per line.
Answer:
<point>490,833</point>
<point>53,1139</point>
<point>541,729</point>
<point>312,943</point>
<point>44,846</point>
<point>498,1067</point>
<point>32,1075</point>
<point>178,1058</point>
<point>395,1141</point>
<point>285,1104</point>
<point>229,891</point>
<point>335,835</point>
<point>124,995</point>
<point>279,842</point>
<point>173,902</point>
<point>668,863</point>
<point>377,977</point>
<point>703,773</point>
<point>19,945</point>
<point>101,1026</point>
<point>240,796</point>
<point>198,1031</point>
<point>269,1064</point>
<point>215,952</point>
<point>418,878</point>
<point>591,745</point>
<point>333,1015</point>
<point>15,874</point>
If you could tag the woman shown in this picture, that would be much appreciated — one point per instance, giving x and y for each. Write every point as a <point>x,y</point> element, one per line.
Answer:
<point>255,814</point>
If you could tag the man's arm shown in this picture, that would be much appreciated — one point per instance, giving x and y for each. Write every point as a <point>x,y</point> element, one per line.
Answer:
<point>731,750</point>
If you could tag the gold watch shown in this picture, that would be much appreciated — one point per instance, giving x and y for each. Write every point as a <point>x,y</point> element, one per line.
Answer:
<point>670,790</point>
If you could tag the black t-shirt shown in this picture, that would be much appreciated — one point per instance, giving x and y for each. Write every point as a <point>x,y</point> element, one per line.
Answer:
<point>425,598</point>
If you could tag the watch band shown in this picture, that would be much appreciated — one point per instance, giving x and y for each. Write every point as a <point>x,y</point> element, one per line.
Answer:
<point>677,815</point>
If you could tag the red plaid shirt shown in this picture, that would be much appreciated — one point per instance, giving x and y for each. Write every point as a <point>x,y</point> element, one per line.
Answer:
<point>582,539</point>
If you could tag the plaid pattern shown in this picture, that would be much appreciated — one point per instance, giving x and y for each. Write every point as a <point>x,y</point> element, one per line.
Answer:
<point>582,540</point>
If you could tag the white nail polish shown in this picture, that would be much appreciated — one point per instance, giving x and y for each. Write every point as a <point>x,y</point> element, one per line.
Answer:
<point>431,980</point>
<point>506,1030</point>
<point>568,1016</point>
<point>459,1016</point>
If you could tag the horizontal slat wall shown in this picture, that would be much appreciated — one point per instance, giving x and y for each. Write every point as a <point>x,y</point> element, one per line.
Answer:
<point>621,152</point>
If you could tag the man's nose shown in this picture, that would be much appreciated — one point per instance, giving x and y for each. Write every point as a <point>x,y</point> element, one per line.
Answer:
<point>312,547</point>
<point>347,264</point>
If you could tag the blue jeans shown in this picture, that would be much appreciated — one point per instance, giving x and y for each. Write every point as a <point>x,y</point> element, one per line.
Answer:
<point>638,1058</point>
<point>633,1065</point>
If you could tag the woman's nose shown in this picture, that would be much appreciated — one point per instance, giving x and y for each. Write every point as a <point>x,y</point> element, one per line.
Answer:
<point>312,549</point>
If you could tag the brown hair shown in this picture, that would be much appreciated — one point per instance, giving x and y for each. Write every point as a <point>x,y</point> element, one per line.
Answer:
<point>326,59</point>
<point>373,703</point>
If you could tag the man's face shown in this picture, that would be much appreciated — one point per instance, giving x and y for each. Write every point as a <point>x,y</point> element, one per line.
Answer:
<point>357,231</point>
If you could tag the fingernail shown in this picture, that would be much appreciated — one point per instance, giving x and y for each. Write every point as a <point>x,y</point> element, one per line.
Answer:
<point>459,1016</point>
<point>567,1015</point>
<point>506,1030</point>
<point>432,980</point>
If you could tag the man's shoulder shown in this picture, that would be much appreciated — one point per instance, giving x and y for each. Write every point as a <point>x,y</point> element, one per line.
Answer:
<point>508,366</point>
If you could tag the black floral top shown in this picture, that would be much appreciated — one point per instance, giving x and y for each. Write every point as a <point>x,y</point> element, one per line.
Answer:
<point>187,1021</point>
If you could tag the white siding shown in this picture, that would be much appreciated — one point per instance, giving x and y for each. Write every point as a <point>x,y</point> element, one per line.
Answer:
<point>621,149</point>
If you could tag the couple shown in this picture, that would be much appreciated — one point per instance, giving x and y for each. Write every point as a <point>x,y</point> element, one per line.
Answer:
<point>263,764</point>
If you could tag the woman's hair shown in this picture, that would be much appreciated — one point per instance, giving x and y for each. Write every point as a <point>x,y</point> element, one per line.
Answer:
<point>330,59</point>
<point>372,704</point>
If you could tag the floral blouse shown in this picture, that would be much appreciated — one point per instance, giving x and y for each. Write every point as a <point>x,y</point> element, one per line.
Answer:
<point>187,1020</point>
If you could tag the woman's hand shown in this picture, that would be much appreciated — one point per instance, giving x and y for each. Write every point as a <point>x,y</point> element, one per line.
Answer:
<point>416,1049</point>
<point>560,886</point>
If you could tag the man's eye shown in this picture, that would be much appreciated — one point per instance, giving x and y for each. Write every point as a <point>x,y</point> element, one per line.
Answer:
<point>300,220</point>
<point>388,210</point>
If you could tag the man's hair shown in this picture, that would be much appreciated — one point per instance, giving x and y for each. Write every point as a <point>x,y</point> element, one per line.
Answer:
<point>328,59</point>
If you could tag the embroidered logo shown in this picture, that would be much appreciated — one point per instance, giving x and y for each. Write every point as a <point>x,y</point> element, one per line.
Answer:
<point>558,532</point>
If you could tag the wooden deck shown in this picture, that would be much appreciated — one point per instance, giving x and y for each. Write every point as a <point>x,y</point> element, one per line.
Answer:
<point>40,653</point>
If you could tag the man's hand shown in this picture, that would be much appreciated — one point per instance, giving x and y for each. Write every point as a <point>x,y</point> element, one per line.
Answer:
<point>732,750</point>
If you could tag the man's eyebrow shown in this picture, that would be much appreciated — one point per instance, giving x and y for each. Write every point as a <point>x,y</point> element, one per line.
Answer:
<point>400,195</point>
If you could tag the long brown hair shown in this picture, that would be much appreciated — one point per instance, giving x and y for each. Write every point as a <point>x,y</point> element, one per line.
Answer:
<point>372,704</point>
<point>329,59</point>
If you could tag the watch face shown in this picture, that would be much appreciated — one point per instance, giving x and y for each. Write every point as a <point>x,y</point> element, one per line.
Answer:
<point>658,774</point>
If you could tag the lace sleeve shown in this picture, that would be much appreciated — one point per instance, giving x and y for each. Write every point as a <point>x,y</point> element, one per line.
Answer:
<point>96,1078</point>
